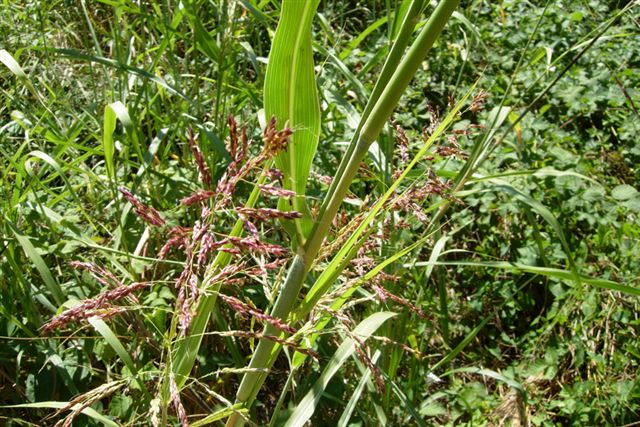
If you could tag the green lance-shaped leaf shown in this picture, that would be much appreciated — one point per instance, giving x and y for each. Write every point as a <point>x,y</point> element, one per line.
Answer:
<point>361,333</point>
<point>291,97</point>
<point>13,66</point>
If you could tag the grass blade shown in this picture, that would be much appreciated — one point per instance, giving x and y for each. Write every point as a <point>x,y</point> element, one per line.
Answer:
<point>363,331</point>
<point>50,282</point>
<point>355,397</point>
<point>103,329</point>
<point>90,412</point>
<point>290,95</point>
<point>108,144</point>
<point>555,273</point>
<point>9,61</point>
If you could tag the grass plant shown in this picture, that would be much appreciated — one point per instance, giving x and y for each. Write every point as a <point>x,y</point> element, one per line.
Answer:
<point>302,212</point>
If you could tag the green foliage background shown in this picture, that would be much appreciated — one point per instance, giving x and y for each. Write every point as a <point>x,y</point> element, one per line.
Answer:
<point>572,348</point>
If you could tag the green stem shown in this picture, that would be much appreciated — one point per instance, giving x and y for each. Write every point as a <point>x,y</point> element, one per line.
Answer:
<point>264,355</point>
<point>407,69</point>
<point>390,64</point>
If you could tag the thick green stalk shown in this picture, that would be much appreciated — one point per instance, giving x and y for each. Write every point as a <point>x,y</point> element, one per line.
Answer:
<point>379,115</point>
<point>264,357</point>
<point>390,65</point>
<point>407,69</point>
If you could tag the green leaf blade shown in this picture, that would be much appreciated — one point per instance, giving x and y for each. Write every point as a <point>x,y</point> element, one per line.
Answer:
<point>363,331</point>
<point>291,95</point>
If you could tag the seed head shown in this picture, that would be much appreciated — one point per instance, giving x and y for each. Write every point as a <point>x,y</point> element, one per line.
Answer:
<point>197,197</point>
<point>264,214</point>
<point>146,213</point>
<point>275,141</point>
<point>205,175</point>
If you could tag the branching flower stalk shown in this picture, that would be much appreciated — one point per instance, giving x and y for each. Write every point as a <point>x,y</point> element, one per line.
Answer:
<point>186,347</point>
<point>264,356</point>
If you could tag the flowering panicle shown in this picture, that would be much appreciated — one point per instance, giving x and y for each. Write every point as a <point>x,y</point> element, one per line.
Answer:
<point>361,263</point>
<point>234,245</point>
<point>346,227</point>
<point>410,200</point>
<point>226,274</point>
<point>81,402</point>
<point>264,214</point>
<point>385,295</point>
<point>197,197</point>
<point>202,241</point>
<point>102,276</point>
<point>100,306</point>
<point>477,103</point>
<point>403,143</point>
<point>405,347</point>
<point>175,399</point>
<point>207,244</point>
<point>434,120</point>
<point>237,151</point>
<point>451,100</point>
<point>243,309</point>
<point>146,213</point>
<point>227,184</point>
<point>262,269</point>
<point>276,191</point>
<point>274,174</point>
<point>179,237</point>
<point>198,242</point>
<point>375,370</point>
<point>251,244</point>
<point>275,141</point>
<point>187,283</point>
<point>249,226</point>
<point>205,175</point>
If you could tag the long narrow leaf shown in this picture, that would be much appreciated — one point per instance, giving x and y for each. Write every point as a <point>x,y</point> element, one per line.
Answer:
<point>103,329</point>
<point>9,61</point>
<point>363,331</point>
<point>357,392</point>
<point>290,95</point>
<point>29,250</point>
<point>543,271</point>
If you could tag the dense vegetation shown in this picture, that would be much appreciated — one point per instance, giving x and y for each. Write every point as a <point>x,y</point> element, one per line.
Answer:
<point>482,269</point>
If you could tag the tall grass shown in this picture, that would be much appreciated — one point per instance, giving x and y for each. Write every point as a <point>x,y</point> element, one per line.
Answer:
<point>383,106</point>
<point>352,294</point>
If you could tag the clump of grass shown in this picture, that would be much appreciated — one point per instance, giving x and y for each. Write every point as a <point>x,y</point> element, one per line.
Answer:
<point>215,252</point>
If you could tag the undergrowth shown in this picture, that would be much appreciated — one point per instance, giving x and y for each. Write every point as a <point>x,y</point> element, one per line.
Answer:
<point>482,268</point>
